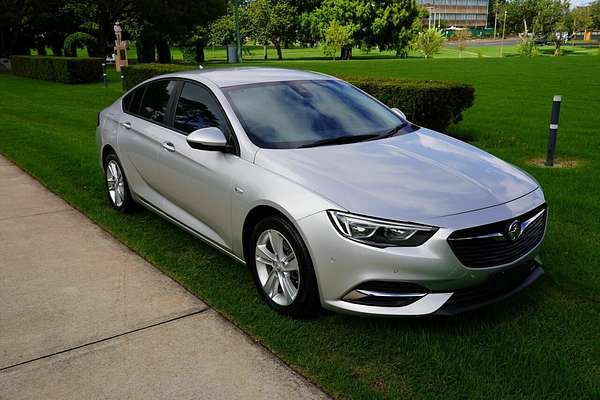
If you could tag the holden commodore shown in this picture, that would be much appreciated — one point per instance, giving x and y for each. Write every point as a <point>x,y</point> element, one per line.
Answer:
<point>331,198</point>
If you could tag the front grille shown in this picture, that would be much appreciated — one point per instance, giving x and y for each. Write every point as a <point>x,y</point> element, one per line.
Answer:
<point>488,246</point>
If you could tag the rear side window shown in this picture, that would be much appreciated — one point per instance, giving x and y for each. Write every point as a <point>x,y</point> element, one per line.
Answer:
<point>197,109</point>
<point>156,99</point>
<point>131,102</point>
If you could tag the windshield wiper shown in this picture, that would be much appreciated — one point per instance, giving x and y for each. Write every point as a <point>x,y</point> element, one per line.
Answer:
<point>391,132</point>
<point>340,140</point>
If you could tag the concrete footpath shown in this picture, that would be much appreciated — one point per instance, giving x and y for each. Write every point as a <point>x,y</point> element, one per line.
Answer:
<point>83,317</point>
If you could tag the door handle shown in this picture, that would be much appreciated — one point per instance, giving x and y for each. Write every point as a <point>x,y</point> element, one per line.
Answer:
<point>168,146</point>
<point>126,125</point>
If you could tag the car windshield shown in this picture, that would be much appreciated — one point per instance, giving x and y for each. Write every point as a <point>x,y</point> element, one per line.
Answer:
<point>292,114</point>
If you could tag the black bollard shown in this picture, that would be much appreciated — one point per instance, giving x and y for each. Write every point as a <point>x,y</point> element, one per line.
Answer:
<point>104,76</point>
<point>553,131</point>
<point>123,83</point>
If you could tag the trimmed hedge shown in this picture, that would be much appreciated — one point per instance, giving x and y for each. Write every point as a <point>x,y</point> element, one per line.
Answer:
<point>134,74</point>
<point>58,69</point>
<point>433,104</point>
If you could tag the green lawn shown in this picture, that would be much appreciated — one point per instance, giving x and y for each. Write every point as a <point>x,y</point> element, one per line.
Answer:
<point>255,53</point>
<point>543,344</point>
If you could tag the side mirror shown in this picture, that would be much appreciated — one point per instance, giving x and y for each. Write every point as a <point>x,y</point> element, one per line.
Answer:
<point>211,138</point>
<point>400,113</point>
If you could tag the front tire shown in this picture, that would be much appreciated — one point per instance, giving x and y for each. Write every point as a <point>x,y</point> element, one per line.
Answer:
<point>282,268</point>
<point>117,187</point>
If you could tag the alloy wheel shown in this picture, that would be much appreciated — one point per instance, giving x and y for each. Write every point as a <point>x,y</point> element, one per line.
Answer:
<point>277,267</point>
<point>115,183</point>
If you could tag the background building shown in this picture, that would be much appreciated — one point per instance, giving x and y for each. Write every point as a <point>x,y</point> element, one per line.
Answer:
<point>460,13</point>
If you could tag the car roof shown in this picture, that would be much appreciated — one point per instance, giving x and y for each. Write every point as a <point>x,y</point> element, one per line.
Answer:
<point>224,77</point>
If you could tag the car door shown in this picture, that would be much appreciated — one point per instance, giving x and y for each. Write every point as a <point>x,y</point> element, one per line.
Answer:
<point>197,184</point>
<point>141,131</point>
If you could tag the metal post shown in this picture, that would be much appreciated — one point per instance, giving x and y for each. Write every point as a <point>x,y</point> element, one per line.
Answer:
<point>236,13</point>
<point>104,76</point>
<point>503,30</point>
<point>553,130</point>
<point>123,83</point>
<point>430,9</point>
<point>495,23</point>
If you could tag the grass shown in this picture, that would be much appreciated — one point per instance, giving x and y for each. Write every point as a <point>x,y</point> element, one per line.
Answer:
<point>543,344</point>
<point>255,53</point>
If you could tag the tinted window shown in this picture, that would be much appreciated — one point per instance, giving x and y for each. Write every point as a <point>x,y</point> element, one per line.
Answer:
<point>298,113</point>
<point>197,109</point>
<point>131,102</point>
<point>156,99</point>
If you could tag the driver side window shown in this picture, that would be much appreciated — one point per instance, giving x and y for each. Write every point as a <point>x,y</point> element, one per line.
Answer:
<point>197,109</point>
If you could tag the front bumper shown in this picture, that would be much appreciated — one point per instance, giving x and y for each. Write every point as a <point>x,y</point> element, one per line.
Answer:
<point>343,265</point>
<point>498,287</point>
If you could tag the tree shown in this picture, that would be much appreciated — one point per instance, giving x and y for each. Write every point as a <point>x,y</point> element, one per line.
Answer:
<point>221,32</point>
<point>336,37</point>
<point>283,23</point>
<point>526,46</point>
<point>395,25</point>
<point>461,37</point>
<point>356,15</point>
<point>162,22</point>
<point>272,21</point>
<point>579,19</point>
<point>387,24</point>
<point>430,42</point>
<point>308,33</point>
<point>550,22</point>
<point>259,14</point>
<point>97,18</point>
<point>595,14</point>
<point>27,24</point>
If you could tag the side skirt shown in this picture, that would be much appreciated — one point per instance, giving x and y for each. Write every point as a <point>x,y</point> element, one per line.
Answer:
<point>188,229</point>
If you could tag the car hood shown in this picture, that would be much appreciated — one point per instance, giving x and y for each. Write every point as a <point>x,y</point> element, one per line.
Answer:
<point>412,177</point>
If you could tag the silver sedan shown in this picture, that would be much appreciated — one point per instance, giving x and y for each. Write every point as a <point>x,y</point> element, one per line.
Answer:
<point>331,198</point>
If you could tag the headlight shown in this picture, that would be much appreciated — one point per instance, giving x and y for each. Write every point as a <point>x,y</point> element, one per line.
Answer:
<point>380,233</point>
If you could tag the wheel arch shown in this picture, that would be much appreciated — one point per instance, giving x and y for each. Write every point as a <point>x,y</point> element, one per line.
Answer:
<point>255,215</point>
<point>106,150</point>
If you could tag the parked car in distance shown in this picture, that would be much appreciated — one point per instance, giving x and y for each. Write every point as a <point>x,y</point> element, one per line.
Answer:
<point>331,198</point>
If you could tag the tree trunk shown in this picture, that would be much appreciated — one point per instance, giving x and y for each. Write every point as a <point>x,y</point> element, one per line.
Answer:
<point>57,50</point>
<point>41,49</point>
<point>557,48</point>
<point>99,48</point>
<point>164,52</point>
<point>18,44</point>
<point>145,50</point>
<point>3,48</point>
<point>278,48</point>
<point>200,44</point>
<point>265,51</point>
<point>346,53</point>
<point>71,51</point>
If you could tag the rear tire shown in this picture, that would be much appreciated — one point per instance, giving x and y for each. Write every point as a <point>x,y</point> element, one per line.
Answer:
<point>282,268</point>
<point>117,187</point>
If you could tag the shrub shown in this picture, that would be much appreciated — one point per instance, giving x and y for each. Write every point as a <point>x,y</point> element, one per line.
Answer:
<point>336,37</point>
<point>433,104</point>
<point>430,42</point>
<point>58,69</point>
<point>527,46</point>
<point>461,38</point>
